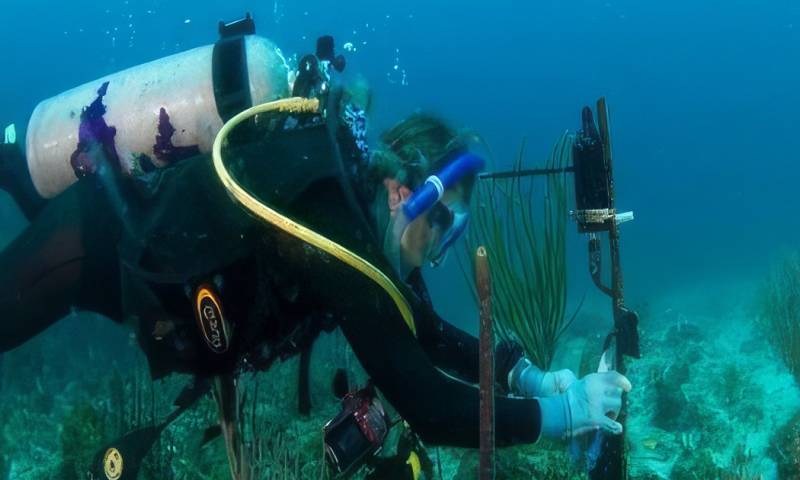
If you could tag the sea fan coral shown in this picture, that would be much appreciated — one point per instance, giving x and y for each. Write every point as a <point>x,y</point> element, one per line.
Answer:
<point>779,305</point>
<point>527,253</point>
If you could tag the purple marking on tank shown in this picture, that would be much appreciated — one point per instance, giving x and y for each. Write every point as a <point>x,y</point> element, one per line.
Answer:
<point>164,150</point>
<point>92,133</point>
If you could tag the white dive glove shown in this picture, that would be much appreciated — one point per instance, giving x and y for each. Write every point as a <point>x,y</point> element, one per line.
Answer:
<point>589,404</point>
<point>526,380</point>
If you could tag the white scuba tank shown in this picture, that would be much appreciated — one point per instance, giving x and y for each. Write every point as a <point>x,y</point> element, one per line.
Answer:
<point>151,110</point>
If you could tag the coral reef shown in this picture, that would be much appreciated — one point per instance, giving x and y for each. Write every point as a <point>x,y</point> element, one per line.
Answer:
<point>785,449</point>
<point>779,301</point>
<point>707,394</point>
<point>83,430</point>
<point>711,399</point>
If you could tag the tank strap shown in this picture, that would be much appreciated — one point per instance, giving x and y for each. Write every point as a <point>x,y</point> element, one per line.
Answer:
<point>230,75</point>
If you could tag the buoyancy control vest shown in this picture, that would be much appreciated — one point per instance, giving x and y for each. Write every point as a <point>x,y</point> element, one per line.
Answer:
<point>185,234</point>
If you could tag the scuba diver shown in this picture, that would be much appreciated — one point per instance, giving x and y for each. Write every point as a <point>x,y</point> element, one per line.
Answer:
<point>224,261</point>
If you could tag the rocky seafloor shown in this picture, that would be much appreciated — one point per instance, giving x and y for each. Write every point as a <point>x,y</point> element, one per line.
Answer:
<point>710,401</point>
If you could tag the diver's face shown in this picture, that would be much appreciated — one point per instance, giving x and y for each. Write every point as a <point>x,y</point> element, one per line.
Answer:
<point>423,236</point>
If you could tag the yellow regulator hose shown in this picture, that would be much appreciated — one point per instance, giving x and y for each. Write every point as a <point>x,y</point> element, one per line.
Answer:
<point>261,210</point>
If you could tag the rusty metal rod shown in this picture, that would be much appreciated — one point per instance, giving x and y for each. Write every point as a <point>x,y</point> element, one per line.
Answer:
<point>613,461</point>
<point>226,394</point>
<point>483,283</point>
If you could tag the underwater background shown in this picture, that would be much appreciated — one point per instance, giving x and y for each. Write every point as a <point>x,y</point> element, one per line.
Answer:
<point>704,104</point>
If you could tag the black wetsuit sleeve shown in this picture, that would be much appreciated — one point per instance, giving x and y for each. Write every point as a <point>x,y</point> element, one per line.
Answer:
<point>453,349</point>
<point>65,259</point>
<point>16,180</point>
<point>440,408</point>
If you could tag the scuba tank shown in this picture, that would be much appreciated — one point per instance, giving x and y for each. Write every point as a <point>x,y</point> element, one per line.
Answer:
<point>151,115</point>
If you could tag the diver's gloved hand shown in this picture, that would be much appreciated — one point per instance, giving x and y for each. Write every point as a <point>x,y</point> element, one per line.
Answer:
<point>589,404</point>
<point>527,380</point>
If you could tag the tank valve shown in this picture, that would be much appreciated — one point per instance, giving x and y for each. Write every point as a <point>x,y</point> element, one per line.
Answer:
<point>11,134</point>
<point>243,26</point>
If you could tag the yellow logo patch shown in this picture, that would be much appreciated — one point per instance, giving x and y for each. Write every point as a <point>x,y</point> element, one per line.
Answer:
<point>112,464</point>
<point>211,320</point>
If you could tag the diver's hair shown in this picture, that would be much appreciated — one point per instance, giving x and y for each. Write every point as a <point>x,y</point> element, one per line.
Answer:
<point>415,148</point>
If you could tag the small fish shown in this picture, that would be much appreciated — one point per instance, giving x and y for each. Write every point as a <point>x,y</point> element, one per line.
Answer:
<point>650,443</point>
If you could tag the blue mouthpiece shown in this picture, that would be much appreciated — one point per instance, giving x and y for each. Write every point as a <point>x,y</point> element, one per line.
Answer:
<point>435,185</point>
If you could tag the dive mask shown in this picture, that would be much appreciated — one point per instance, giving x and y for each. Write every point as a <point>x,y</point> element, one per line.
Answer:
<point>450,222</point>
<point>450,230</point>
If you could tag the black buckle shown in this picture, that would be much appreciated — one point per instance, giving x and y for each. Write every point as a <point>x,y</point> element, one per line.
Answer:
<point>243,26</point>
<point>229,68</point>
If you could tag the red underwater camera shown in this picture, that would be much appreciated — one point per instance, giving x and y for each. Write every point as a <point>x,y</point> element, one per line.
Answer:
<point>357,432</point>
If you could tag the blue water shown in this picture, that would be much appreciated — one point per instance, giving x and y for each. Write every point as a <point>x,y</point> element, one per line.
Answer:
<point>704,99</point>
<point>703,94</point>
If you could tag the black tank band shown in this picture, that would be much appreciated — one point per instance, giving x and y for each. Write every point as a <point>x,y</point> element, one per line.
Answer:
<point>230,76</point>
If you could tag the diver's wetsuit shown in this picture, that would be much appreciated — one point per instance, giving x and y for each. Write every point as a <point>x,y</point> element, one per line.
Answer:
<point>143,258</point>
<point>65,259</point>
<point>15,179</point>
